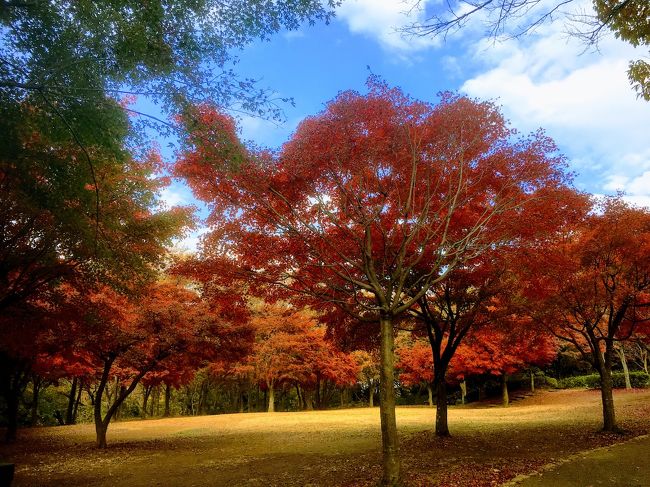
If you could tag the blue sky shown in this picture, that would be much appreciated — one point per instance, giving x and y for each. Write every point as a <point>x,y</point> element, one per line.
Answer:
<point>582,99</point>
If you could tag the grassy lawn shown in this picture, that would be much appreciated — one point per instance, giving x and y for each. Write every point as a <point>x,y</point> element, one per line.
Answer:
<point>490,445</point>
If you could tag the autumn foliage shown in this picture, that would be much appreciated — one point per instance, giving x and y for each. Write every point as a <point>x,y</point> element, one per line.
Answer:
<point>370,204</point>
<point>390,244</point>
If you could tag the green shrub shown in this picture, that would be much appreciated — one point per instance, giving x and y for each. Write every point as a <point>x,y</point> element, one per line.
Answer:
<point>638,379</point>
<point>551,382</point>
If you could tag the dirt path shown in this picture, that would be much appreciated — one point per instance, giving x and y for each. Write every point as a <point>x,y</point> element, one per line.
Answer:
<point>623,465</point>
<point>490,445</point>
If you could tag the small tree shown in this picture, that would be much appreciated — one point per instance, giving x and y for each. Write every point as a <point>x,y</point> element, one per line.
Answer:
<point>415,366</point>
<point>593,289</point>
<point>129,341</point>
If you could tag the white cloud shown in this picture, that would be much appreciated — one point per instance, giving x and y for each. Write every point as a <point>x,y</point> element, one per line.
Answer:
<point>546,79</point>
<point>255,128</point>
<point>583,100</point>
<point>381,19</point>
<point>637,190</point>
<point>293,34</point>
<point>266,133</point>
<point>640,185</point>
<point>616,182</point>
<point>174,196</point>
<point>190,243</point>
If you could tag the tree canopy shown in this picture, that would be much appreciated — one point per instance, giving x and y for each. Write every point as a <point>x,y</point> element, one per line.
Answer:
<point>369,205</point>
<point>80,53</point>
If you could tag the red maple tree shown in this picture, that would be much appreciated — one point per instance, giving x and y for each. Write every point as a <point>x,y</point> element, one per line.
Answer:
<point>594,287</point>
<point>373,191</point>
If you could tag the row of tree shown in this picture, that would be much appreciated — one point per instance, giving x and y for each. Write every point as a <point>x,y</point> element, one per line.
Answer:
<point>384,212</point>
<point>381,214</point>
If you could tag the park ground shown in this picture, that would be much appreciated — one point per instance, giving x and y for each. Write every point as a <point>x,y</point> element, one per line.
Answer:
<point>490,445</point>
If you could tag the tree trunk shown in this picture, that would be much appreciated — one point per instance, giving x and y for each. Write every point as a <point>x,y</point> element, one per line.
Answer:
<point>603,362</point>
<point>117,414</point>
<point>146,391</point>
<point>532,381</point>
<point>168,396</point>
<point>442,426</point>
<point>101,423</point>
<point>117,392</point>
<point>156,401</point>
<point>481,392</point>
<point>69,413</point>
<point>76,403</point>
<point>100,432</point>
<point>36,382</point>
<point>606,386</point>
<point>504,390</point>
<point>12,417</point>
<point>13,381</point>
<point>271,408</point>
<point>389,439</point>
<point>620,350</point>
<point>643,353</point>
<point>463,391</point>
<point>283,400</point>
<point>371,395</point>
<point>100,426</point>
<point>318,395</point>
<point>430,391</point>
<point>151,402</point>
<point>309,400</point>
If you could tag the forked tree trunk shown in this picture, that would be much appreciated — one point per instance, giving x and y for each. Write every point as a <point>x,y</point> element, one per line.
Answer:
<point>463,391</point>
<point>100,425</point>
<point>389,439</point>
<point>102,421</point>
<point>271,408</point>
<point>504,390</point>
<point>442,426</point>
<point>430,392</point>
